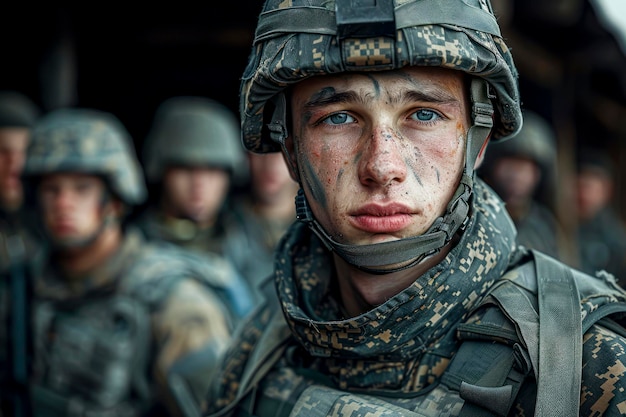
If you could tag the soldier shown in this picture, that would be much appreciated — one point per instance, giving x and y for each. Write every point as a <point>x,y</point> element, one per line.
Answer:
<point>19,239</point>
<point>192,158</point>
<point>265,209</point>
<point>18,113</point>
<point>521,171</point>
<point>601,233</point>
<point>401,290</point>
<point>120,327</point>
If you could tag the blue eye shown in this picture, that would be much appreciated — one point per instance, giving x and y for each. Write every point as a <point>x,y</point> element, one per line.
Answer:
<point>424,115</point>
<point>338,119</point>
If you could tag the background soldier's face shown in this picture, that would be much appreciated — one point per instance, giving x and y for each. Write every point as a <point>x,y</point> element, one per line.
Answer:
<point>72,205</point>
<point>195,193</point>
<point>13,143</point>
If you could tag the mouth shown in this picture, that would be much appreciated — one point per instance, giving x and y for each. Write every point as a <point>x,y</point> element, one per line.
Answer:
<point>62,228</point>
<point>12,181</point>
<point>382,219</point>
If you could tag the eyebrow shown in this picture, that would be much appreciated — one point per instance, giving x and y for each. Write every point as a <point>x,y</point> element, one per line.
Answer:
<point>328,96</point>
<point>428,95</point>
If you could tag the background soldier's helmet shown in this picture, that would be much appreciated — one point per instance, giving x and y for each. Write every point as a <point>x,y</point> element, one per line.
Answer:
<point>194,131</point>
<point>86,141</point>
<point>17,110</point>
<point>299,39</point>
<point>535,141</point>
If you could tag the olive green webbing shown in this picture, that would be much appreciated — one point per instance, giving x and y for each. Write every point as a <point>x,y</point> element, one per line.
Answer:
<point>560,340</point>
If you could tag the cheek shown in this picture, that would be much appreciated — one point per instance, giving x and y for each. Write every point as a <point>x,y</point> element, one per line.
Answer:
<point>91,209</point>
<point>175,186</point>
<point>322,171</point>
<point>313,180</point>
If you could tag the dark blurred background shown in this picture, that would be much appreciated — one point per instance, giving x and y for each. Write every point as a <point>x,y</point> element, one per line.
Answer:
<point>126,60</point>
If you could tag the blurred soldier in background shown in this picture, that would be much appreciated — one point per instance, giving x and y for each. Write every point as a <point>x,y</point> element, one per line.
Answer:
<point>18,113</point>
<point>601,233</point>
<point>266,209</point>
<point>20,240</point>
<point>192,158</point>
<point>521,171</point>
<point>120,327</point>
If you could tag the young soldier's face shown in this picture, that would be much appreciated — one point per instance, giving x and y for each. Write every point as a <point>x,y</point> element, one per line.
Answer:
<point>73,206</point>
<point>380,154</point>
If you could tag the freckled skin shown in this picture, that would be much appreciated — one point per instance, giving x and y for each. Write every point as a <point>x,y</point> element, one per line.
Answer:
<point>382,155</point>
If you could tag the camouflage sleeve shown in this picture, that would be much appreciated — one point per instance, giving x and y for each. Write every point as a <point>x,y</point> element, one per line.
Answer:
<point>603,391</point>
<point>224,388</point>
<point>192,331</point>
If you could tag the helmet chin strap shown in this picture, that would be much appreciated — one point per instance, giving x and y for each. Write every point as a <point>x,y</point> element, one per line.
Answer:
<point>397,255</point>
<point>81,242</point>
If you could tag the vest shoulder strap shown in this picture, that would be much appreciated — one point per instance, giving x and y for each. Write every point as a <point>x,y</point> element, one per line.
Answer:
<point>538,316</point>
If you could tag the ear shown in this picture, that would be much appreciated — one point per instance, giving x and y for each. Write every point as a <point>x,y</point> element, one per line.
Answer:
<point>114,209</point>
<point>289,154</point>
<point>481,154</point>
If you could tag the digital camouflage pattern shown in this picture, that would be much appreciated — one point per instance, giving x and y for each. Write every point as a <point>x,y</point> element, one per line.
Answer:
<point>391,360</point>
<point>90,141</point>
<point>462,36</point>
<point>194,131</point>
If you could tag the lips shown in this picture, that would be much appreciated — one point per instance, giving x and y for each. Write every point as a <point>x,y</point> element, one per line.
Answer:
<point>62,227</point>
<point>382,219</point>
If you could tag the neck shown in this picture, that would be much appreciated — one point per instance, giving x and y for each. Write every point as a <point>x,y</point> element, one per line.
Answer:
<point>78,261</point>
<point>362,291</point>
<point>518,208</point>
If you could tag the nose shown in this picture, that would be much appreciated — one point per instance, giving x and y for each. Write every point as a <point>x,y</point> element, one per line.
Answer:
<point>382,161</point>
<point>63,198</point>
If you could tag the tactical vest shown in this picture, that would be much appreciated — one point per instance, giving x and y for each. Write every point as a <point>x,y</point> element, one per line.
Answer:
<point>500,350</point>
<point>93,354</point>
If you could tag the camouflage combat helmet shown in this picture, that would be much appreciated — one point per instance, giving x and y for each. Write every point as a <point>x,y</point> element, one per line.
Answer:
<point>298,39</point>
<point>535,141</point>
<point>461,35</point>
<point>17,110</point>
<point>86,141</point>
<point>194,131</point>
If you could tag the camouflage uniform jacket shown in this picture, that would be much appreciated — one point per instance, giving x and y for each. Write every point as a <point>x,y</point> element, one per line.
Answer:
<point>15,233</point>
<point>539,229</point>
<point>116,340</point>
<point>21,225</point>
<point>225,238</point>
<point>391,361</point>
<point>264,235</point>
<point>602,244</point>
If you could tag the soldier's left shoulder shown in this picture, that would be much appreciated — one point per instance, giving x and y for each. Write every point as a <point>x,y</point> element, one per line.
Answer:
<point>603,371</point>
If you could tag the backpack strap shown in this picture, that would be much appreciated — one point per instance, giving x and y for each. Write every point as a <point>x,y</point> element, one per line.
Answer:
<point>559,374</point>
